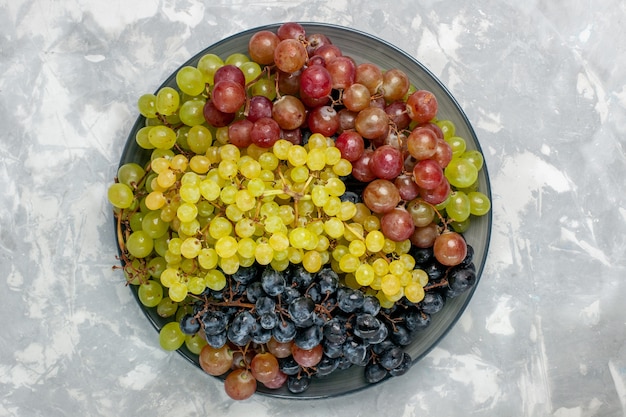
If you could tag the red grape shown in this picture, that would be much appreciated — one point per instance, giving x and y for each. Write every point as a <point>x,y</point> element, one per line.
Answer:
<point>289,112</point>
<point>328,52</point>
<point>424,237</point>
<point>264,367</point>
<point>229,73</point>
<point>356,97</point>
<point>351,145</point>
<point>277,382</point>
<point>215,117</point>
<point>239,133</point>
<point>288,83</point>
<point>387,162</point>
<point>240,384</point>
<point>361,167</point>
<point>259,106</point>
<point>450,248</point>
<point>290,55</point>
<point>346,120</point>
<point>398,115</point>
<point>372,122</point>
<point>279,349</point>
<point>427,174</point>
<point>265,132</point>
<point>395,84</point>
<point>314,41</point>
<point>397,224</point>
<point>315,81</point>
<point>422,106</point>
<point>407,188</point>
<point>228,96</point>
<point>422,143</point>
<point>342,71</point>
<point>381,196</point>
<point>443,153</point>
<point>291,30</point>
<point>370,76</point>
<point>261,47</point>
<point>215,361</point>
<point>307,357</point>
<point>438,194</point>
<point>324,120</point>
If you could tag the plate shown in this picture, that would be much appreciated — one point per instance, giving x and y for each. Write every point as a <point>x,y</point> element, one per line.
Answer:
<point>363,48</point>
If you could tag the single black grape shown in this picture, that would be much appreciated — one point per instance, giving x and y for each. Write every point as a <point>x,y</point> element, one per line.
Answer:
<point>432,303</point>
<point>391,358</point>
<point>284,331</point>
<point>309,337</point>
<point>214,322</point>
<point>245,275</point>
<point>375,373</point>
<point>299,384</point>
<point>404,366</point>
<point>326,366</point>
<point>189,324</point>
<point>272,281</point>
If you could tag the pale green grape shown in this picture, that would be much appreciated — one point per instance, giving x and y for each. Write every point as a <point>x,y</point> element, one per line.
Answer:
<point>153,225</point>
<point>458,207</point>
<point>207,65</point>
<point>479,203</point>
<point>147,105</point>
<point>191,112</point>
<point>251,71</point>
<point>120,195</point>
<point>461,173</point>
<point>170,336</point>
<point>167,101</point>
<point>150,293</point>
<point>190,80</point>
<point>130,174</point>
<point>162,137</point>
<point>167,307</point>
<point>236,59</point>
<point>142,138</point>
<point>139,244</point>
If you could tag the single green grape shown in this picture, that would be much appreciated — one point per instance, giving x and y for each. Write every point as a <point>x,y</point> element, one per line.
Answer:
<point>162,137</point>
<point>167,307</point>
<point>120,195</point>
<point>167,101</point>
<point>170,336</point>
<point>139,244</point>
<point>190,80</point>
<point>237,59</point>
<point>458,207</point>
<point>461,173</point>
<point>153,225</point>
<point>150,293</point>
<point>147,105</point>
<point>479,203</point>
<point>191,112</point>
<point>208,65</point>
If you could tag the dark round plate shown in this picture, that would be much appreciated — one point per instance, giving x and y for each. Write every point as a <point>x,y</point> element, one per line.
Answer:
<point>363,48</point>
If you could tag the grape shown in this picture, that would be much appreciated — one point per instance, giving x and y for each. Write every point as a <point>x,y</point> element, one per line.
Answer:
<point>361,167</point>
<point>264,367</point>
<point>386,162</point>
<point>291,30</point>
<point>342,71</point>
<point>190,80</point>
<point>231,73</point>
<point>147,105</point>
<point>259,106</point>
<point>370,76</point>
<point>427,174</point>
<point>397,114</point>
<point>261,46</point>
<point>167,101</point>
<point>228,96</point>
<point>315,82</point>
<point>450,248</point>
<point>395,84</point>
<point>170,336</point>
<point>479,203</point>
<point>323,120</point>
<point>120,195</point>
<point>215,117</point>
<point>461,173</point>
<point>290,55</point>
<point>150,293</point>
<point>407,188</point>
<point>371,122</point>
<point>307,357</point>
<point>240,384</point>
<point>351,145</point>
<point>139,244</point>
<point>208,65</point>
<point>288,112</point>
<point>397,224</point>
<point>381,196</point>
<point>422,106</point>
<point>458,206</point>
<point>422,143</point>
<point>265,132</point>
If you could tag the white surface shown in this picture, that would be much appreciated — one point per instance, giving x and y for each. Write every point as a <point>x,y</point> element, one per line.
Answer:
<point>541,81</point>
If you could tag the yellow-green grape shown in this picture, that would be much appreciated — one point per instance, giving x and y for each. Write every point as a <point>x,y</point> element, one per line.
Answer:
<point>171,337</point>
<point>167,101</point>
<point>322,244</point>
<point>246,247</point>
<point>317,141</point>
<point>162,137</point>
<point>150,293</point>
<point>263,253</point>
<point>371,223</point>
<point>161,153</point>
<point>209,190</point>
<point>251,71</point>
<point>139,244</point>
<point>375,241</point>
<point>178,291</point>
<point>334,228</point>
<point>189,193</point>
<point>196,285</point>
<point>169,277</point>
<point>375,284</point>
<point>296,155</point>
<point>461,227</point>
<point>187,212</point>
<point>268,161</point>
<point>389,246</point>
<point>339,251</point>
<point>205,209</point>
<point>475,157</point>
<point>265,87</point>
<point>228,194</point>
<point>281,148</point>
<point>200,164</point>
<point>381,267</point>
<point>354,231</point>
<point>179,163</point>
<point>342,168</point>
<point>244,200</point>
<point>141,137</point>
<point>408,261</point>
<point>414,292</point>
<point>316,158</point>
<point>229,152</point>
<point>135,220</point>
<point>195,343</point>
<point>347,210</point>
<point>191,112</point>
<point>447,127</point>
<point>220,227</point>
<point>167,307</point>
<point>287,214</point>
<point>300,174</point>
<point>332,155</point>
<point>153,225</point>
<point>279,242</point>
<point>246,262</point>
<point>245,227</point>
<point>335,187</point>
<point>390,285</point>
<point>226,246</point>
<point>256,187</point>
<point>319,195</point>
<point>120,195</point>
<point>404,246</point>
<point>208,65</point>
<point>458,207</point>
<point>227,169</point>
<point>221,135</point>
<point>230,264</point>
<point>189,228</point>
<point>312,261</point>
<point>207,258</point>
<point>166,179</point>
<point>189,267</point>
<point>365,274</point>
<point>191,247</point>
<point>457,144</point>
<point>383,300</point>
<point>280,264</point>
<point>160,164</point>
<point>215,280</point>
<point>269,208</point>
<point>479,203</point>
<point>281,255</point>
<point>147,105</point>
<point>236,59</point>
<point>349,263</point>
<point>190,80</point>
<point>397,296</point>
<point>250,169</point>
<point>461,173</point>
<point>199,139</point>
<point>332,206</point>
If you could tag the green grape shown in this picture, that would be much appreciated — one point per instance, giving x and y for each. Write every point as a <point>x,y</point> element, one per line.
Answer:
<point>251,169</point>
<point>142,138</point>
<point>139,244</point>
<point>135,220</point>
<point>162,137</point>
<point>196,285</point>
<point>300,174</point>
<point>215,280</point>
<point>246,247</point>
<point>191,112</point>
<point>349,263</point>
<point>150,293</point>
<point>316,158</point>
<point>479,203</point>
<point>475,157</point>
<point>187,212</point>
<point>342,168</point>
<point>312,261</point>
<point>207,65</point>
<point>457,144</point>
<point>228,194</point>
<point>190,80</point>
<point>461,227</point>
<point>447,127</point>
<point>207,258</point>
<point>199,139</point>
<point>167,307</point>
<point>191,247</point>
<point>236,59</point>
<point>195,343</point>
<point>458,207</point>
<point>296,155</point>
<point>147,105</point>
<point>226,246</point>
<point>170,336</point>
<point>251,71</point>
<point>364,274</point>
<point>130,174</point>
<point>209,190</point>
<point>268,161</point>
<point>263,253</point>
<point>156,266</point>
<point>189,228</point>
<point>120,195</point>
<point>153,225</point>
<point>244,200</point>
<point>265,87</point>
<point>461,173</point>
<point>178,291</point>
<point>230,264</point>
<point>167,101</point>
<point>220,227</point>
<point>190,193</point>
